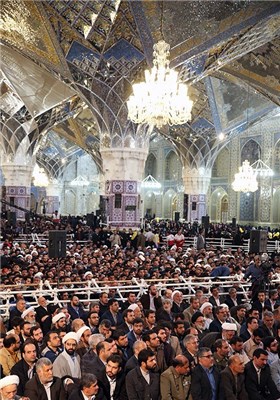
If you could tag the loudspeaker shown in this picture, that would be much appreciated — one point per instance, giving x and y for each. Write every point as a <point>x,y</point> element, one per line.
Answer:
<point>90,220</point>
<point>12,217</point>
<point>205,221</point>
<point>57,244</point>
<point>258,241</point>
<point>233,223</point>
<point>177,216</point>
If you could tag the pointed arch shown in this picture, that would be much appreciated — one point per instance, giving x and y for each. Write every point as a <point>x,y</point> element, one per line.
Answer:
<point>219,205</point>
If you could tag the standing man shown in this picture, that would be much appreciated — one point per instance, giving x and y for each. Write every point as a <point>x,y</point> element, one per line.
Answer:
<point>205,377</point>
<point>44,385</point>
<point>142,383</point>
<point>175,381</point>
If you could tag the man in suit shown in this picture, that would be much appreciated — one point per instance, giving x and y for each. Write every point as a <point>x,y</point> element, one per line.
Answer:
<point>151,300</point>
<point>142,383</point>
<point>268,327</point>
<point>132,362</point>
<point>128,317</point>
<point>25,368</point>
<point>113,315</point>
<point>43,315</point>
<point>135,334</point>
<point>215,298</point>
<point>205,377</point>
<point>76,309</point>
<point>88,389</point>
<point>175,381</point>
<point>104,350</point>
<point>233,381</point>
<point>43,385</point>
<point>258,380</point>
<point>111,380</point>
<point>88,358</point>
<point>220,318</point>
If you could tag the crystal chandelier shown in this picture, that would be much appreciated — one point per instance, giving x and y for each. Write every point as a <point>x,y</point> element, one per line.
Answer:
<point>162,99</point>
<point>246,179</point>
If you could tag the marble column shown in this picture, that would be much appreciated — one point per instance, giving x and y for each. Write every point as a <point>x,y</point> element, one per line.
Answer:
<point>53,191</point>
<point>17,188</point>
<point>196,183</point>
<point>123,172</point>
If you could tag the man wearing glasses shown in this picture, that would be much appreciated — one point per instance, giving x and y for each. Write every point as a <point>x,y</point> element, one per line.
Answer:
<point>205,377</point>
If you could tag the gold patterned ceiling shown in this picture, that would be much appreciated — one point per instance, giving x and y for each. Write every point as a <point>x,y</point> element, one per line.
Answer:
<point>67,69</point>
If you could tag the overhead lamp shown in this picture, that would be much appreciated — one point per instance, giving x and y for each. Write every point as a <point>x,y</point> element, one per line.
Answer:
<point>150,183</point>
<point>162,99</point>
<point>246,179</point>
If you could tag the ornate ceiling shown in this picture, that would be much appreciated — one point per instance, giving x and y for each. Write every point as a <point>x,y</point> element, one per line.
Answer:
<point>67,67</point>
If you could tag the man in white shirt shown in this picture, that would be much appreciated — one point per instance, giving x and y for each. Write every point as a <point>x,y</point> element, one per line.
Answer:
<point>44,383</point>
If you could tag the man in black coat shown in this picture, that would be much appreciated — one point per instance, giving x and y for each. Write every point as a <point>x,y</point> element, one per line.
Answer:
<point>205,377</point>
<point>151,300</point>
<point>111,380</point>
<point>25,368</point>
<point>258,380</point>
<point>35,388</point>
<point>232,385</point>
<point>138,387</point>
<point>88,387</point>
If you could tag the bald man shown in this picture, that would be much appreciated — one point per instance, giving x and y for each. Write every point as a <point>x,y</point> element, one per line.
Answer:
<point>232,380</point>
<point>175,381</point>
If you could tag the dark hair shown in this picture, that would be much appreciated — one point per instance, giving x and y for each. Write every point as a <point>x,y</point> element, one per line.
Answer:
<point>24,323</point>
<point>202,351</point>
<point>89,315</point>
<point>146,335</point>
<point>34,328</point>
<point>106,323</point>
<point>236,339</point>
<point>87,380</point>
<point>249,320</point>
<point>148,312</point>
<point>112,301</point>
<point>137,321</point>
<point>267,341</point>
<point>9,340</point>
<point>115,358</point>
<point>144,355</point>
<point>258,352</point>
<point>16,321</point>
<point>118,333</point>
<point>258,332</point>
<point>26,343</point>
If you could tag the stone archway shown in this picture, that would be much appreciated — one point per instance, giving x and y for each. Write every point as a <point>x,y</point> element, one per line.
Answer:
<point>219,205</point>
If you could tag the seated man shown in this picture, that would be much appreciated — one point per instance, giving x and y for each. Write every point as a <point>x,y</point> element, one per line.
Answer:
<point>258,380</point>
<point>44,383</point>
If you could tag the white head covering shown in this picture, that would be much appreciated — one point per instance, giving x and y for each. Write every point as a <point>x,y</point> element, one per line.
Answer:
<point>133,307</point>
<point>88,273</point>
<point>204,305</point>
<point>70,335</point>
<point>9,380</point>
<point>57,317</point>
<point>27,311</point>
<point>227,326</point>
<point>81,331</point>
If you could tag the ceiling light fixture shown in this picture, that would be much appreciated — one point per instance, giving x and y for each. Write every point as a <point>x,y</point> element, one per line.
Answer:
<point>162,99</point>
<point>246,179</point>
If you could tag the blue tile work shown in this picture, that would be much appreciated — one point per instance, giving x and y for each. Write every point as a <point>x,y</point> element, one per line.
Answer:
<point>124,49</point>
<point>78,51</point>
<point>213,105</point>
<point>223,36</point>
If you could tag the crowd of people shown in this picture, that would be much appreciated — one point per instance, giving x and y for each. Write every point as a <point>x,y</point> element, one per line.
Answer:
<point>159,340</point>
